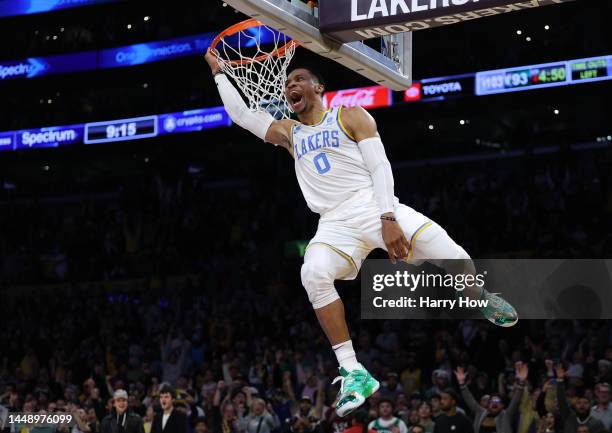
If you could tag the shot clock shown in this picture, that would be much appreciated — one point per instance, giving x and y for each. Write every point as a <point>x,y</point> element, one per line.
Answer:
<point>121,130</point>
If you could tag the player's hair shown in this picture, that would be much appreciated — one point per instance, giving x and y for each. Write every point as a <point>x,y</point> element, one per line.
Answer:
<point>312,71</point>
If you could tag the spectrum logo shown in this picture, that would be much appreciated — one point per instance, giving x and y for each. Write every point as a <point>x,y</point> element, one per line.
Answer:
<point>31,139</point>
<point>30,69</point>
<point>15,70</point>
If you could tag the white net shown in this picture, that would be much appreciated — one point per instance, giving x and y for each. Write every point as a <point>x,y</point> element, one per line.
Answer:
<point>257,59</point>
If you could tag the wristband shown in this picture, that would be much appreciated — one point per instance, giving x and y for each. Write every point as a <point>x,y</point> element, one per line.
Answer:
<point>387,218</point>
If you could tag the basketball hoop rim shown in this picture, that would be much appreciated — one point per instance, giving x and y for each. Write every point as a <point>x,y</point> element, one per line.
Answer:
<point>247,24</point>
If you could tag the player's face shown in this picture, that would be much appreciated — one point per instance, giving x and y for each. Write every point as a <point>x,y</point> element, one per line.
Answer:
<point>302,89</point>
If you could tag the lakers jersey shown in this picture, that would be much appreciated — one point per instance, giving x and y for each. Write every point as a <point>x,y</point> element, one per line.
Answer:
<point>328,163</point>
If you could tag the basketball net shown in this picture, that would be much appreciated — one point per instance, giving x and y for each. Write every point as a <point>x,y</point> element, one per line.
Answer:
<point>259,72</point>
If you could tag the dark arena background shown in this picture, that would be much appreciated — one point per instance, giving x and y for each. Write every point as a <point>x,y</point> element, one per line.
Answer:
<point>167,249</point>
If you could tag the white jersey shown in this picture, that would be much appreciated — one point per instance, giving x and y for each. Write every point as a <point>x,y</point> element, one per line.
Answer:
<point>328,163</point>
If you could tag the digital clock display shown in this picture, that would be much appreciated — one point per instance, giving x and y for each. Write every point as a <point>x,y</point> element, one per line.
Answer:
<point>509,80</point>
<point>121,130</point>
<point>591,69</point>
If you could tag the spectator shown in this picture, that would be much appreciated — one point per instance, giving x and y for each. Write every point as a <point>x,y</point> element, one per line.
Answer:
<point>425,420</point>
<point>580,416</point>
<point>170,420</point>
<point>451,421</point>
<point>493,418</point>
<point>391,388</point>
<point>223,414</point>
<point>548,424</point>
<point>386,422</point>
<point>603,408</point>
<point>440,379</point>
<point>200,426</point>
<point>411,375</point>
<point>121,419</point>
<point>148,419</point>
<point>259,420</point>
<point>306,418</point>
<point>359,423</point>
<point>436,407</point>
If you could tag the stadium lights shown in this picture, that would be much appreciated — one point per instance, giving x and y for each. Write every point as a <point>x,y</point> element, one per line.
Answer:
<point>462,122</point>
<point>62,29</point>
<point>556,111</point>
<point>431,127</point>
<point>546,27</point>
<point>54,37</point>
<point>528,38</point>
<point>519,32</point>
<point>46,168</point>
<point>147,18</point>
<point>49,101</point>
<point>129,26</point>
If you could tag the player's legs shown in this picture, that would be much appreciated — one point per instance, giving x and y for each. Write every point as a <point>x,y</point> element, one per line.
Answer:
<point>323,264</point>
<point>431,243</point>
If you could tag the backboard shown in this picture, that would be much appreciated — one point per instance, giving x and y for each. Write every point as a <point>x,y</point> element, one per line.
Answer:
<point>294,18</point>
<point>336,29</point>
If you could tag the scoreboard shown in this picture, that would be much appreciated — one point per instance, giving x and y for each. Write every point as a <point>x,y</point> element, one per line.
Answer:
<point>543,75</point>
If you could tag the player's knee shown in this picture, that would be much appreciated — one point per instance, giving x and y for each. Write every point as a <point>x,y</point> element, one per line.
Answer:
<point>460,253</point>
<point>319,284</point>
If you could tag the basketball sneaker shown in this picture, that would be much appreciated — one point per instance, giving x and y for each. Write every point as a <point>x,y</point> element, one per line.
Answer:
<point>498,310</point>
<point>355,386</point>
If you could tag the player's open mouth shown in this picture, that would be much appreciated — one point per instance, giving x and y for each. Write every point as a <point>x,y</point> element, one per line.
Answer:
<point>296,100</point>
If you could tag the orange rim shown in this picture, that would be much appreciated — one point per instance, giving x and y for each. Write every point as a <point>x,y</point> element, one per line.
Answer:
<point>247,24</point>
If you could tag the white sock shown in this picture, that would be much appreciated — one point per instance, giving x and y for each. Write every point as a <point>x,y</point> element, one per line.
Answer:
<point>346,355</point>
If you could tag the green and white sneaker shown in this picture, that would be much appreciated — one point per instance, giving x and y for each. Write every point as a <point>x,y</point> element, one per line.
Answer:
<point>355,387</point>
<point>498,310</point>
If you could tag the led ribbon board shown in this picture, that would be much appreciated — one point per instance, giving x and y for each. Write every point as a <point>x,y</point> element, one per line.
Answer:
<point>532,77</point>
<point>129,55</point>
<point>354,20</point>
<point>10,8</point>
<point>116,130</point>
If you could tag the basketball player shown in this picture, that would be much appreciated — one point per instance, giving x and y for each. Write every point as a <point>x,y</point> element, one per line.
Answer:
<point>345,176</point>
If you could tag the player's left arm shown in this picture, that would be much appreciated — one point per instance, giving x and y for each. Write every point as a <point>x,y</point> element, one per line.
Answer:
<point>362,126</point>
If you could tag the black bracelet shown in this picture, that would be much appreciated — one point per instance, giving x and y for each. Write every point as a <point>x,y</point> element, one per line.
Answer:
<point>387,218</point>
